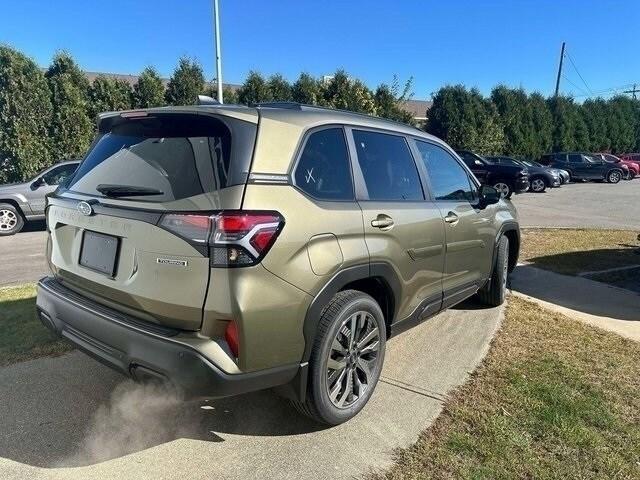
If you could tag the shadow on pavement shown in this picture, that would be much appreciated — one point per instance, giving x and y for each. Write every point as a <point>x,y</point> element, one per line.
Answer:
<point>577,293</point>
<point>34,226</point>
<point>86,413</point>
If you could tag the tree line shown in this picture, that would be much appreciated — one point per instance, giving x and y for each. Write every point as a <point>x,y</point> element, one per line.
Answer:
<point>510,121</point>
<point>48,116</point>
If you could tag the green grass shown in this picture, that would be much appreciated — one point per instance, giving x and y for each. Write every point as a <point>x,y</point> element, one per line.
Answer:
<point>554,398</point>
<point>22,336</point>
<point>573,251</point>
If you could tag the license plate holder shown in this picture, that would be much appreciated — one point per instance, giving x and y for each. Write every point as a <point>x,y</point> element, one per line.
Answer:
<point>99,252</point>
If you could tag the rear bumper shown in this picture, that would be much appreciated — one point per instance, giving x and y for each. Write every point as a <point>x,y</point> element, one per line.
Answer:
<point>144,352</point>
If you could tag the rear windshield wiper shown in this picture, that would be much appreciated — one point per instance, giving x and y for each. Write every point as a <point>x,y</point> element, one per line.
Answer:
<point>126,190</point>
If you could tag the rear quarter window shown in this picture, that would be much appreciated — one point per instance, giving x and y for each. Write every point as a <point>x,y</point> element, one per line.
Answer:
<point>323,170</point>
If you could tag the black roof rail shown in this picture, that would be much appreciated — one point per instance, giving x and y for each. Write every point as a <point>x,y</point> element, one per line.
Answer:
<point>289,105</point>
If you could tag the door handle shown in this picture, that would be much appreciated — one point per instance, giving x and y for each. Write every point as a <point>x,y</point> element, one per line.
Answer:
<point>382,221</point>
<point>451,218</point>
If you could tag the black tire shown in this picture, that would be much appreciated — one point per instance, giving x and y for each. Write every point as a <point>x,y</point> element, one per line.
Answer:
<point>614,176</point>
<point>494,292</point>
<point>318,404</point>
<point>11,220</point>
<point>537,185</point>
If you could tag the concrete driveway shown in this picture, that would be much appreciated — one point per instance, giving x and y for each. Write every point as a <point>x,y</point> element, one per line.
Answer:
<point>69,411</point>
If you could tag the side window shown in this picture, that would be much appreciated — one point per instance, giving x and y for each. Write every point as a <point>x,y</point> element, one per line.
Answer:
<point>323,170</point>
<point>449,181</point>
<point>387,165</point>
<point>59,174</point>
<point>575,158</point>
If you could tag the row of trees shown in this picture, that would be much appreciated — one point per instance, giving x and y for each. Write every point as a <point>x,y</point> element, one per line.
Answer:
<point>512,122</point>
<point>49,116</point>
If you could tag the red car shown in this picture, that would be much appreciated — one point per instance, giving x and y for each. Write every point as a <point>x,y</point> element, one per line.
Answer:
<point>634,167</point>
<point>631,157</point>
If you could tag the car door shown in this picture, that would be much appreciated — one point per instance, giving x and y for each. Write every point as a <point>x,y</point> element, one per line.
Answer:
<point>469,230</point>
<point>403,229</point>
<point>579,166</point>
<point>46,183</point>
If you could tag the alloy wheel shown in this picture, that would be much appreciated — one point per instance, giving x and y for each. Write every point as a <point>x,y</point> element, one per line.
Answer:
<point>537,185</point>
<point>503,189</point>
<point>353,359</point>
<point>8,220</point>
<point>614,177</point>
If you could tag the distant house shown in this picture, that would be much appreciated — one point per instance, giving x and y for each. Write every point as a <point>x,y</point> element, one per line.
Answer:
<point>418,108</point>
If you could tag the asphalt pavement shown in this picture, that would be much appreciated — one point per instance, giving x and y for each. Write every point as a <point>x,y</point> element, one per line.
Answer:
<point>582,205</point>
<point>59,413</point>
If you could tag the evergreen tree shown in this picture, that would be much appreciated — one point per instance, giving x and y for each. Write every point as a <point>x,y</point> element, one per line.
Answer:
<point>280,88</point>
<point>25,115</point>
<point>109,94</point>
<point>466,120</point>
<point>186,83</point>
<point>307,90</point>
<point>149,90</point>
<point>389,101</point>
<point>71,128</point>
<point>542,124</point>
<point>515,116</point>
<point>344,93</point>
<point>254,90</point>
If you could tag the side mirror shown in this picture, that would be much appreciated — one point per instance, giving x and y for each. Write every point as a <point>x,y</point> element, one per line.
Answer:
<point>488,196</point>
<point>38,182</point>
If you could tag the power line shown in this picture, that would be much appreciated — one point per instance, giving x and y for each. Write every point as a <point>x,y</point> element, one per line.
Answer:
<point>576,69</point>
<point>585,94</point>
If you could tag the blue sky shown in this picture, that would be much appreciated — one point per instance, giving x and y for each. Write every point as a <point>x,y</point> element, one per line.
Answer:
<point>477,43</point>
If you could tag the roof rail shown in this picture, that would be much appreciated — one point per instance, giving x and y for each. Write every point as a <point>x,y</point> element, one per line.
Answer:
<point>289,105</point>
<point>303,106</point>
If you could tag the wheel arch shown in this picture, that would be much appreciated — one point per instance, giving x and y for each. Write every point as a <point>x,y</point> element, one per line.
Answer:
<point>14,204</point>
<point>376,279</point>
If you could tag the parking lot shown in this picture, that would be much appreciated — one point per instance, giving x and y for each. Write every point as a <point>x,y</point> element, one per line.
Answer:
<point>577,205</point>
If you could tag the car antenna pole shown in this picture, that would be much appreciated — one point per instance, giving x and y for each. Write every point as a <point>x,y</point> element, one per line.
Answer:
<point>559,70</point>
<point>216,22</point>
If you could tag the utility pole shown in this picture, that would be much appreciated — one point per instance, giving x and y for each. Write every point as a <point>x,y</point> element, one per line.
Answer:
<point>633,91</point>
<point>216,22</point>
<point>559,70</point>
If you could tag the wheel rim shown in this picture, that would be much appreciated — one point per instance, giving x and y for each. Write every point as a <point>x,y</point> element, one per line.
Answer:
<point>537,185</point>
<point>8,220</point>
<point>614,177</point>
<point>353,359</point>
<point>502,188</point>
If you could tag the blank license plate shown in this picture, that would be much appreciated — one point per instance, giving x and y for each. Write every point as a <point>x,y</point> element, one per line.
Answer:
<point>99,252</point>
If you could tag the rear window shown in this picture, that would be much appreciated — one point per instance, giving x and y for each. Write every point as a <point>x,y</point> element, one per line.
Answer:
<point>179,155</point>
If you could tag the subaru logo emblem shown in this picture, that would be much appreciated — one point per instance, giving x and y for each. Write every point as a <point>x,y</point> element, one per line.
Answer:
<point>84,208</point>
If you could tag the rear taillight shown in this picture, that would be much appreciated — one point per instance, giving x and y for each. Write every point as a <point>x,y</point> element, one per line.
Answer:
<point>237,239</point>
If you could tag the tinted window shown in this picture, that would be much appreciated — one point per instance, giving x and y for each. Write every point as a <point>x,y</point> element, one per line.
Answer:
<point>180,155</point>
<point>387,166</point>
<point>323,170</point>
<point>470,159</point>
<point>59,174</point>
<point>449,181</point>
<point>575,158</point>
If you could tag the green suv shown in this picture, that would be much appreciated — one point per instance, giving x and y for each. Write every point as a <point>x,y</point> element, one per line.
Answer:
<point>227,249</point>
